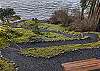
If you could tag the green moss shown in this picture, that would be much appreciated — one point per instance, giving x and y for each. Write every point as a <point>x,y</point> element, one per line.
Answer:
<point>5,65</point>
<point>55,50</point>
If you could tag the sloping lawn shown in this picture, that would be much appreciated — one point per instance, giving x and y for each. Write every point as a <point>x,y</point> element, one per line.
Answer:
<point>56,50</point>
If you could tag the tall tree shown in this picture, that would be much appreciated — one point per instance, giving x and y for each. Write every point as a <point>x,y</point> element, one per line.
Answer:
<point>83,7</point>
<point>92,5</point>
<point>2,15</point>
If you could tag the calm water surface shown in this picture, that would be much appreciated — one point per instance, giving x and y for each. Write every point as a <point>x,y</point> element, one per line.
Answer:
<point>41,9</point>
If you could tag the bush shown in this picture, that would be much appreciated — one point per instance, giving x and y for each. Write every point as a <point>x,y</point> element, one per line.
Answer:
<point>60,16</point>
<point>25,35</point>
<point>83,25</point>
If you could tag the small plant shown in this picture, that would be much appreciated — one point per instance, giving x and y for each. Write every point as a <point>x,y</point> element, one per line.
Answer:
<point>5,65</point>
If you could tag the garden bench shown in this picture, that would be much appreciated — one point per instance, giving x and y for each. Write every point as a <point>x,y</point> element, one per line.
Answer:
<point>82,65</point>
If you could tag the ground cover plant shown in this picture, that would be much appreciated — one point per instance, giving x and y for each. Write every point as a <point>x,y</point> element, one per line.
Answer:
<point>24,35</point>
<point>48,32</point>
<point>3,37</point>
<point>51,36</point>
<point>5,65</point>
<point>51,27</point>
<point>56,50</point>
<point>17,35</point>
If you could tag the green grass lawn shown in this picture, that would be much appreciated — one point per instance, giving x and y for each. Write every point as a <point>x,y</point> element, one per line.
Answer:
<point>5,65</point>
<point>56,50</point>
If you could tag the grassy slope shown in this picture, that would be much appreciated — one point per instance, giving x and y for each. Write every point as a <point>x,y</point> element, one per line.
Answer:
<point>51,27</point>
<point>25,34</point>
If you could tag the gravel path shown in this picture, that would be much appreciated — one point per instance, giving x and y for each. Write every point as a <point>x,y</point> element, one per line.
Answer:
<point>92,38</point>
<point>53,64</point>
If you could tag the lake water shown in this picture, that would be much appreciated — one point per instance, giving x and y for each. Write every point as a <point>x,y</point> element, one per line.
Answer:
<point>41,9</point>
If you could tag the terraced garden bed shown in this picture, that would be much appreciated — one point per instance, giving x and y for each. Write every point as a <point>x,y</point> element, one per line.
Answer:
<point>55,45</point>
